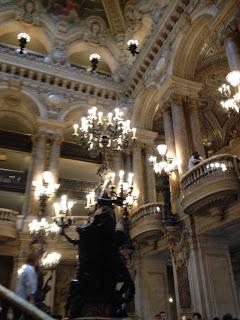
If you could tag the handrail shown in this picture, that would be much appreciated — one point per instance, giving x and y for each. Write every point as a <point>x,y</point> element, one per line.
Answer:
<point>8,215</point>
<point>218,163</point>
<point>147,209</point>
<point>24,306</point>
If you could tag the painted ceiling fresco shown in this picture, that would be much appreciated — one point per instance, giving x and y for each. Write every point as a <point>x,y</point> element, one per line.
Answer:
<point>73,10</point>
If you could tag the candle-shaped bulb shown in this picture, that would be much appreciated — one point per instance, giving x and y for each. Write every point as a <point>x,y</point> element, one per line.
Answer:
<point>100,115</point>
<point>110,115</point>
<point>75,128</point>
<point>134,133</point>
<point>116,113</point>
<point>130,179</point>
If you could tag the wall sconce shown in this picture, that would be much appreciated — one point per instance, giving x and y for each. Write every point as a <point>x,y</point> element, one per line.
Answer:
<point>132,46</point>
<point>94,58</point>
<point>23,38</point>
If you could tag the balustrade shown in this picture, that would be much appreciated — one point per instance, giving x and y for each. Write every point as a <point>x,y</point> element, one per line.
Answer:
<point>146,219</point>
<point>12,180</point>
<point>8,224</point>
<point>209,180</point>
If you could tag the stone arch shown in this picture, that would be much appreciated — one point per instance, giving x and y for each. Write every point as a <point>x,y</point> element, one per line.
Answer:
<point>187,52</point>
<point>40,39</point>
<point>19,111</point>
<point>107,58</point>
<point>143,110</point>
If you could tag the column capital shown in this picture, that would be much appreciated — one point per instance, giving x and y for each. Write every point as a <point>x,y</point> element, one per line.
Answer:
<point>229,32</point>
<point>173,98</point>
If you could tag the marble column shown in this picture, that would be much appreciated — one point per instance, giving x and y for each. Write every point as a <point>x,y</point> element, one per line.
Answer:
<point>197,140</point>
<point>180,132</point>
<point>55,155</point>
<point>168,129</point>
<point>170,142</point>
<point>150,177</point>
<point>230,40</point>
<point>138,173</point>
<point>35,168</point>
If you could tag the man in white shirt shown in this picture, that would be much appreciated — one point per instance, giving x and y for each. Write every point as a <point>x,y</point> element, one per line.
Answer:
<point>27,281</point>
<point>194,160</point>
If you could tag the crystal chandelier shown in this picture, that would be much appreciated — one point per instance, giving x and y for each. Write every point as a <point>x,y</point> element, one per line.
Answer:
<point>62,211</point>
<point>231,92</point>
<point>166,163</point>
<point>101,132</point>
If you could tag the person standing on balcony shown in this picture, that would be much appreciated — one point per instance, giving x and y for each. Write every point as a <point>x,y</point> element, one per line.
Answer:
<point>194,160</point>
<point>27,282</point>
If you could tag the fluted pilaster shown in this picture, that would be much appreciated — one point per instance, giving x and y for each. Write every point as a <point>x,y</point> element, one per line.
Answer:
<point>197,140</point>
<point>150,176</point>
<point>180,132</point>
<point>138,172</point>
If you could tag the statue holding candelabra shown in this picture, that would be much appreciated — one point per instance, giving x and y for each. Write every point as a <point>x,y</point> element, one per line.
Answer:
<point>103,284</point>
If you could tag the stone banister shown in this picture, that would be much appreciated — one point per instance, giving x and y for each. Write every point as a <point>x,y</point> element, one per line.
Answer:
<point>67,77</point>
<point>10,299</point>
<point>147,220</point>
<point>208,167</point>
<point>8,215</point>
<point>155,208</point>
<point>211,185</point>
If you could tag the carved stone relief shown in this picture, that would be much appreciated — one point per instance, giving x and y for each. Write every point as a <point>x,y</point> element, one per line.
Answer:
<point>179,246</point>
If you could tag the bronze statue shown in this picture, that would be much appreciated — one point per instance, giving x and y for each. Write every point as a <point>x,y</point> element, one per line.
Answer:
<point>103,284</point>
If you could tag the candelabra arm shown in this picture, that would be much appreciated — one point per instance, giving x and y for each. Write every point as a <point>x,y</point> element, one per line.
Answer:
<point>72,241</point>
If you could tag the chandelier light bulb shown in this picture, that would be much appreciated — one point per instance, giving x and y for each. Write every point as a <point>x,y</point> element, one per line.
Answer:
<point>47,176</point>
<point>233,78</point>
<point>162,149</point>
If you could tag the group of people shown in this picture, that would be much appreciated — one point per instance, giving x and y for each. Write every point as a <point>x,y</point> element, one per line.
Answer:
<point>195,316</point>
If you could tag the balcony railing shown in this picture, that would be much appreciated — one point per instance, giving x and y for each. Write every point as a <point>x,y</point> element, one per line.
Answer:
<point>146,219</point>
<point>12,180</point>
<point>211,180</point>
<point>8,224</point>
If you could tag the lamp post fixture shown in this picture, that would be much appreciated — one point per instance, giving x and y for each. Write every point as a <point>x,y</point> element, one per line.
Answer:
<point>23,38</point>
<point>164,167</point>
<point>44,189</point>
<point>104,132</point>
<point>132,46</point>
<point>231,92</point>
<point>94,58</point>
<point>62,210</point>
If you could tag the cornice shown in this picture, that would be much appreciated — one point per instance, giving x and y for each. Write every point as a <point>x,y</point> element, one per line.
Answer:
<point>146,136</point>
<point>62,76</point>
<point>154,44</point>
